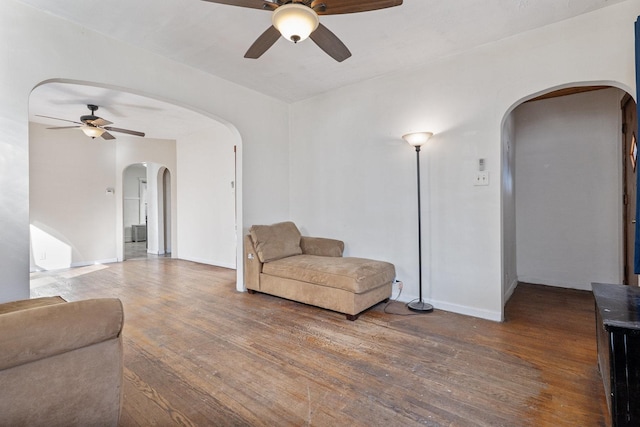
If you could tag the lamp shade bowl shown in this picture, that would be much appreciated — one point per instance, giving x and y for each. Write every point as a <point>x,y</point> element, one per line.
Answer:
<point>417,139</point>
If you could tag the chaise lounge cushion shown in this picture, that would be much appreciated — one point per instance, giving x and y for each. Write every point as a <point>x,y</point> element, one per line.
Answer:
<point>357,275</point>
<point>277,241</point>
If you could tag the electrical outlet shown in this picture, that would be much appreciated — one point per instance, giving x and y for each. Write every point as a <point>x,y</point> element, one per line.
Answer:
<point>482,178</point>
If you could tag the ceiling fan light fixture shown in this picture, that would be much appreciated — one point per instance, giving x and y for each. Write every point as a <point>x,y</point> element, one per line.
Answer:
<point>295,21</point>
<point>92,131</point>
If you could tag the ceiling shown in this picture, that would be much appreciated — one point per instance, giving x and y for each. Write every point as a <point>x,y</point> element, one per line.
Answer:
<point>214,37</point>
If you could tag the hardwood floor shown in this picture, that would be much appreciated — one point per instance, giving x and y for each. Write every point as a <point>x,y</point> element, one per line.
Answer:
<point>198,353</point>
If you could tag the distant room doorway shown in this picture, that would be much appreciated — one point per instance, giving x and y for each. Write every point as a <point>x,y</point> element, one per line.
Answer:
<point>146,210</point>
<point>135,211</point>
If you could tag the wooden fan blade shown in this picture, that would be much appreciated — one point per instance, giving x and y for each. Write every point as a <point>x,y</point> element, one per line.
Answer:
<point>56,118</point>
<point>107,135</point>
<point>253,4</point>
<point>100,122</point>
<point>65,127</point>
<point>127,131</point>
<point>337,7</point>
<point>263,43</point>
<point>330,43</point>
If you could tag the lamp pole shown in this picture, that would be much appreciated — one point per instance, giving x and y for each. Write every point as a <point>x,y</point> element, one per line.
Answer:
<point>417,140</point>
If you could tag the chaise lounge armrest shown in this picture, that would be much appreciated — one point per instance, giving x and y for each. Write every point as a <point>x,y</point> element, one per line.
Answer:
<point>321,246</point>
<point>36,333</point>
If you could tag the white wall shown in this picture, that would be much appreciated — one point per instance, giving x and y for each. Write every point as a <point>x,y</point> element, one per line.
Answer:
<point>352,177</point>
<point>44,47</point>
<point>206,197</point>
<point>168,202</point>
<point>569,190</point>
<point>509,246</point>
<point>70,174</point>
<point>155,207</point>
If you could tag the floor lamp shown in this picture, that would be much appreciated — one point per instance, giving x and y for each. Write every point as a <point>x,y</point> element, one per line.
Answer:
<point>417,140</point>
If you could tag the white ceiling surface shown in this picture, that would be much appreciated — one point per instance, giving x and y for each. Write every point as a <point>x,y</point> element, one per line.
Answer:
<point>214,37</point>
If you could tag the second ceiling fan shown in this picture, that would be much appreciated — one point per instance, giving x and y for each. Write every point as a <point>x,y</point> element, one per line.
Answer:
<point>93,126</point>
<point>296,20</point>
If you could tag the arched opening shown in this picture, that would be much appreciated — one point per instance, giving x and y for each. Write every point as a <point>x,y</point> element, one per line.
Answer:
<point>97,168</point>
<point>146,213</point>
<point>562,189</point>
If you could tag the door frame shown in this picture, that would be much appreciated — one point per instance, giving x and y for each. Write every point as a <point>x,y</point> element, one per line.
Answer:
<point>628,200</point>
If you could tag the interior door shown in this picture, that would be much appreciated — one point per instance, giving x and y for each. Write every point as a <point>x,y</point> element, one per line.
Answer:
<point>629,169</point>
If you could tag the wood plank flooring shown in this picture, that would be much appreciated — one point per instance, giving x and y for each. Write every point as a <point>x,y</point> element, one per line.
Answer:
<point>198,353</point>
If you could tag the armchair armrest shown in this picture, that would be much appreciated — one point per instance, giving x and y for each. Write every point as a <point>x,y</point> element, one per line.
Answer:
<point>321,246</point>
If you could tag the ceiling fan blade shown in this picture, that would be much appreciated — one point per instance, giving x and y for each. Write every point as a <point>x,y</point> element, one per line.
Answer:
<point>100,122</point>
<point>263,43</point>
<point>127,131</point>
<point>330,43</point>
<point>107,135</point>
<point>336,7</point>
<point>56,118</point>
<point>253,4</point>
<point>65,127</point>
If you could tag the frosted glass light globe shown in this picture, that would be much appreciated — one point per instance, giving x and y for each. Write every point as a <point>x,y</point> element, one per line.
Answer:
<point>295,21</point>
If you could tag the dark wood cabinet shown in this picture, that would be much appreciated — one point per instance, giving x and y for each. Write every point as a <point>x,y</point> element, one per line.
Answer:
<point>618,337</point>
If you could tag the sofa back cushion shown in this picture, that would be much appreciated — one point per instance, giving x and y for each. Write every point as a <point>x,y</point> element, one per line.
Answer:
<point>33,334</point>
<point>276,241</point>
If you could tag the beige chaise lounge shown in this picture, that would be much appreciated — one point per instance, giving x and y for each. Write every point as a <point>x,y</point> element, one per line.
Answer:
<point>280,261</point>
<point>61,362</point>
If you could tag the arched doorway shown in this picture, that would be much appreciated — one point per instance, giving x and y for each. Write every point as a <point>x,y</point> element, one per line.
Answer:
<point>562,197</point>
<point>170,135</point>
<point>146,190</point>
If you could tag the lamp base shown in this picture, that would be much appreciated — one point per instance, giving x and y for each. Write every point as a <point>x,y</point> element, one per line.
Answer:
<point>420,306</point>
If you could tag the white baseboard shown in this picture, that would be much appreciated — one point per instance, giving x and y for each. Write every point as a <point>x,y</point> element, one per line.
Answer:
<point>209,262</point>
<point>496,316</point>
<point>510,290</point>
<point>100,261</point>
<point>455,308</point>
<point>558,284</point>
<point>35,269</point>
